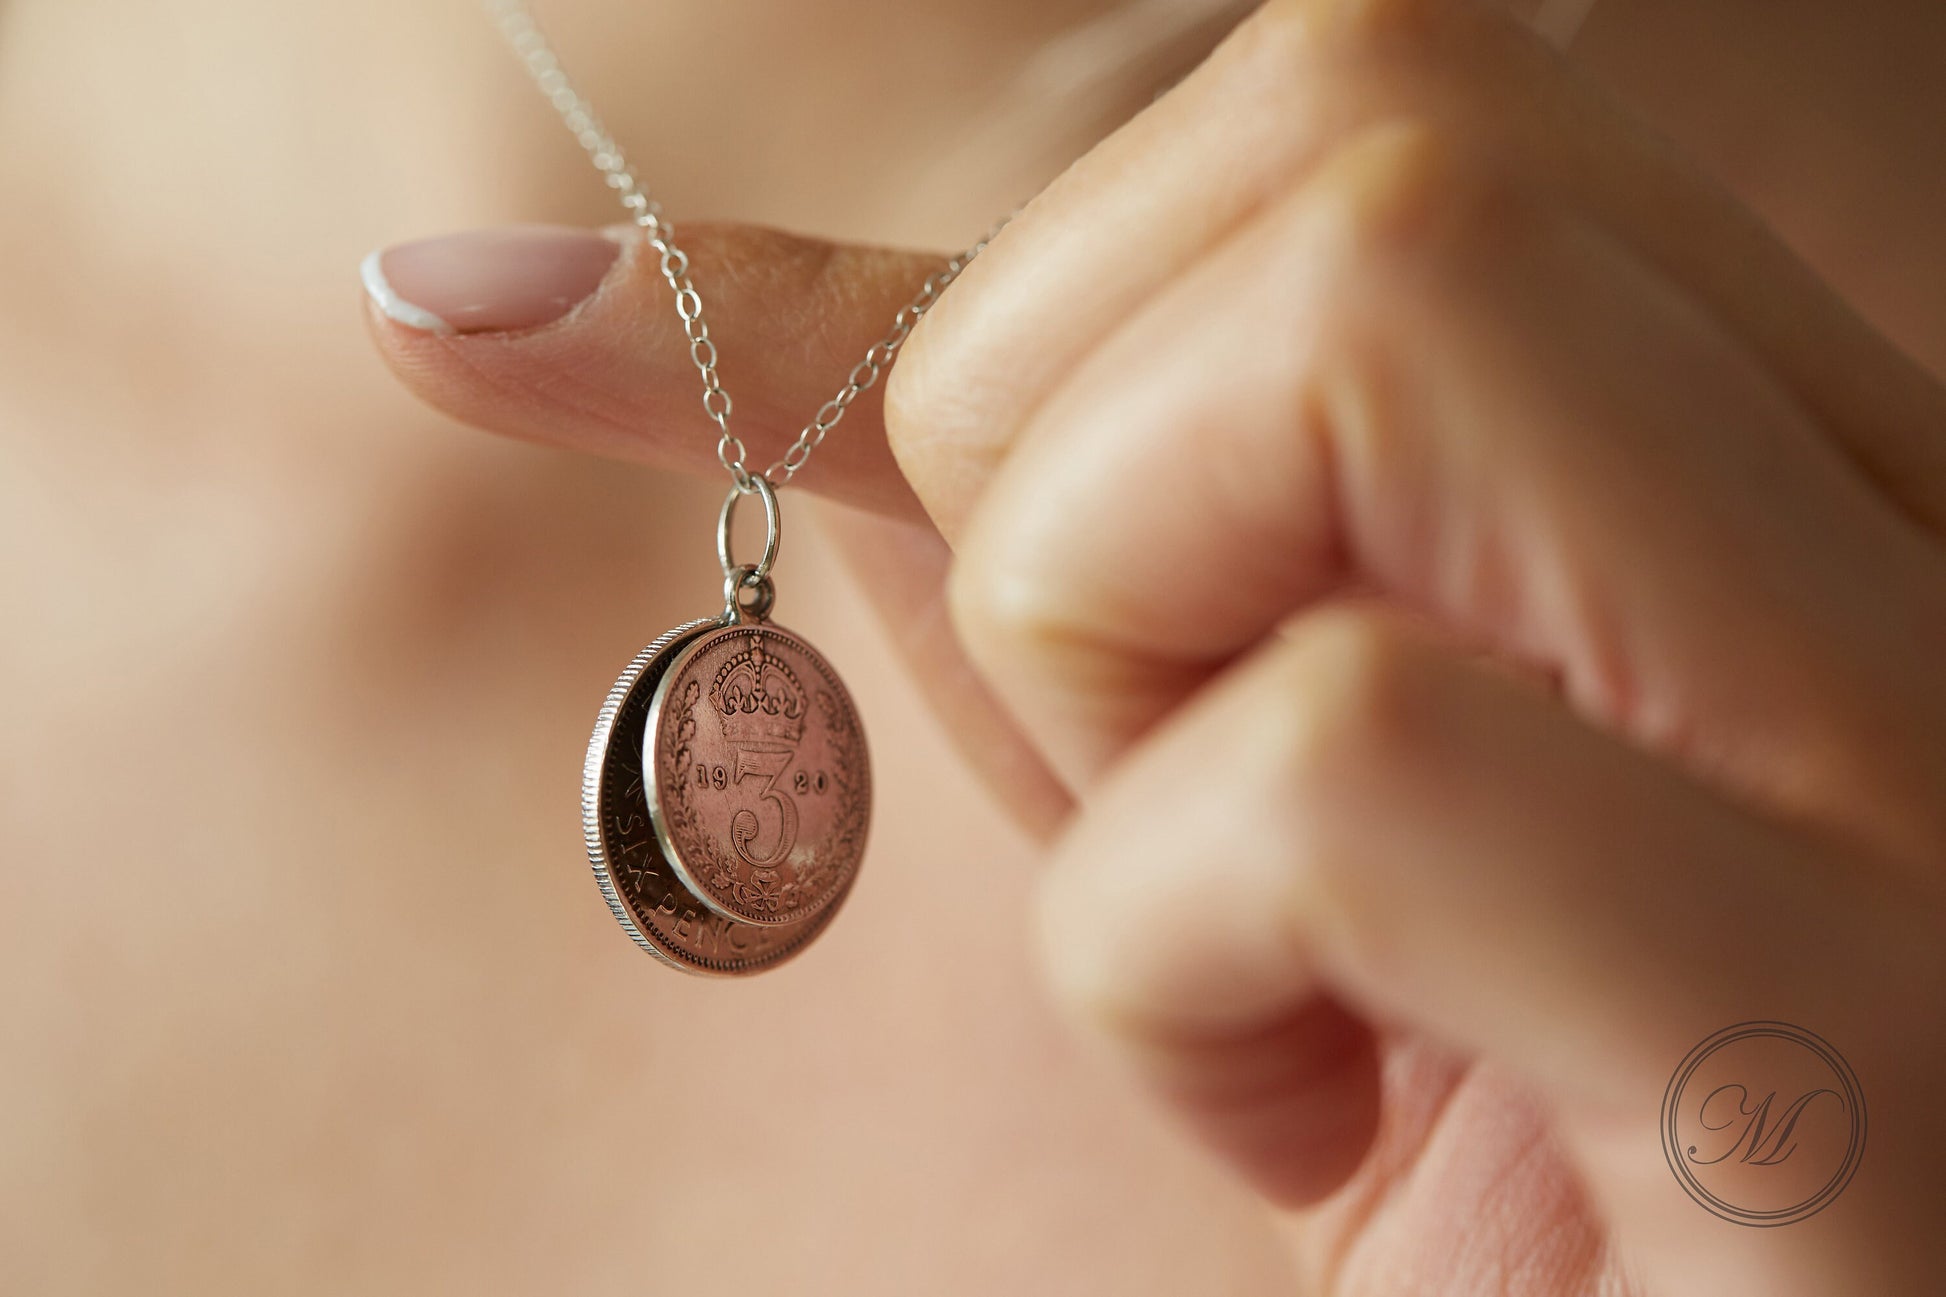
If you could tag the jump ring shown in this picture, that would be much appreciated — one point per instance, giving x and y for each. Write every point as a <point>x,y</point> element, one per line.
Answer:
<point>762,595</point>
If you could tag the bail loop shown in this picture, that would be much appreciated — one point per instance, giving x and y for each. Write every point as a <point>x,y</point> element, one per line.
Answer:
<point>773,528</point>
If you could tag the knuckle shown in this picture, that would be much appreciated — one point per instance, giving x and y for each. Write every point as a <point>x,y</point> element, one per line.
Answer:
<point>1349,28</point>
<point>1400,225</point>
<point>999,605</point>
<point>1404,196</point>
<point>907,390</point>
<point>1357,701</point>
<point>1017,616</point>
<point>935,402</point>
<point>1346,713</point>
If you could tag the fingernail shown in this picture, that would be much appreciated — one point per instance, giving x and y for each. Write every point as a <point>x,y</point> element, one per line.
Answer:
<point>489,281</point>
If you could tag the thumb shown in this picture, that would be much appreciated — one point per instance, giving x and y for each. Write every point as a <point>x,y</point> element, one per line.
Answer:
<point>571,337</point>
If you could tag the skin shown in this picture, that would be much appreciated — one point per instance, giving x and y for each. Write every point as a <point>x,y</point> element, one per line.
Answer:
<point>391,1051</point>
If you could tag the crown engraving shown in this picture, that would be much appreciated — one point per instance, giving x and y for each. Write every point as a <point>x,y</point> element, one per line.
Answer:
<point>759,699</point>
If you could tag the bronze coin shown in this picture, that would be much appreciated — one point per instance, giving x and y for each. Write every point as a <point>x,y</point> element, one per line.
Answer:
<point>759,783</point>
<point>647,897</point>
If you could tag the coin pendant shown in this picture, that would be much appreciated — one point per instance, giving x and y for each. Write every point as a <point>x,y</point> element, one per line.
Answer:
<point>759,783</point>
<point>647,896</point>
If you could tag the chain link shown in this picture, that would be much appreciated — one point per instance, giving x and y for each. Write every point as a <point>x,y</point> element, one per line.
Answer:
<point>517,24</point>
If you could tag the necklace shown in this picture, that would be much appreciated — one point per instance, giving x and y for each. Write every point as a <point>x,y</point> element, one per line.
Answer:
<point>727,790</point>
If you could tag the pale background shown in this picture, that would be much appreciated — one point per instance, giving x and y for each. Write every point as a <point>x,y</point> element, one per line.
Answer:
<point>303,984</point>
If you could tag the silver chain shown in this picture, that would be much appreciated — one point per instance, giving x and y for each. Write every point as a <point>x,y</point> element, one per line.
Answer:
<point>524,34</point>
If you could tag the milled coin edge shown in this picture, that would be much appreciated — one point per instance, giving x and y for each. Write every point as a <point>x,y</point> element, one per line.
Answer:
<point>591,775</point>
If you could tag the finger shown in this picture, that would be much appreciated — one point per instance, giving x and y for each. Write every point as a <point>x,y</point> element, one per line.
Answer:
<point>902,568</point>
<point>572,337</point>
<point>1430,381</point>
<point>1360,811</point>
<point>1291,84</point>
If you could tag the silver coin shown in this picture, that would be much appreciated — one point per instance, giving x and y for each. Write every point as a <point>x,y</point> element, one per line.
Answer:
<point>646,895</point>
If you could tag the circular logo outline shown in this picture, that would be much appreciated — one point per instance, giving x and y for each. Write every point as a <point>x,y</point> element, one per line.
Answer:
<point>1672,1144</point>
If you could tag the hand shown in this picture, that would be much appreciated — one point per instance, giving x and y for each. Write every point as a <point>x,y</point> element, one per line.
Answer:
<point>1484,594</point>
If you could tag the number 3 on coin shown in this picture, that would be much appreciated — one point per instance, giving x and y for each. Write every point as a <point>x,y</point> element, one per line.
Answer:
<point>743,828</point>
